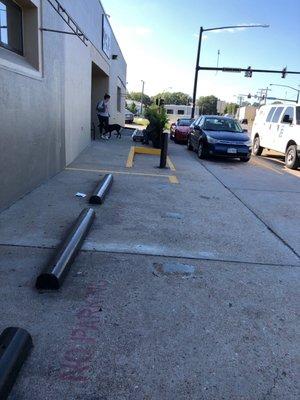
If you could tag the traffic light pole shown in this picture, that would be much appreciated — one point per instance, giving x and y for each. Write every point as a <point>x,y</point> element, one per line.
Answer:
<point>163,141</point>
<point>283,72</point>
<point>196,73</point>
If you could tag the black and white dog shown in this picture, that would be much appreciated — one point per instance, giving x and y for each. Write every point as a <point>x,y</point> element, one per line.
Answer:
<point>114,127</point>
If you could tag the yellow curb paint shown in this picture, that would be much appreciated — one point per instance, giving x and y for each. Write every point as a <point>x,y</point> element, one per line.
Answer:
<point>173,179</point>
<point>170,164</point>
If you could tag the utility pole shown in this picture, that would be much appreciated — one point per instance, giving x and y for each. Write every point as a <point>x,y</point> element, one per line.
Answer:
<point>142,96</point>
<point>264,94</point>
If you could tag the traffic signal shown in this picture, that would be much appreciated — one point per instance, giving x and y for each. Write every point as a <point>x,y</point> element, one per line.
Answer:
<point>249,96</point>
<point>161,102</point>
<point>283,74</point>
<point>157,101</point>
<point>248,73</point>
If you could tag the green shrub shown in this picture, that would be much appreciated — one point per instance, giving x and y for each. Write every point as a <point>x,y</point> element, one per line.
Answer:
<point>157,117</point>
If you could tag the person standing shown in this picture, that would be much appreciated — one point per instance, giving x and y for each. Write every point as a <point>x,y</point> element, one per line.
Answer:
<point>103,115</point>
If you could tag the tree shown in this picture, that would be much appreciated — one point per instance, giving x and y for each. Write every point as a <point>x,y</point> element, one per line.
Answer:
<point>132,107</point>
<point>231,108</point>
<point>136,96</point>
<point>207,105</point>
<point>177,98</point>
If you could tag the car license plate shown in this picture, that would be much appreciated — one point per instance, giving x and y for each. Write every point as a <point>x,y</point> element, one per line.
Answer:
<point>232,151</point>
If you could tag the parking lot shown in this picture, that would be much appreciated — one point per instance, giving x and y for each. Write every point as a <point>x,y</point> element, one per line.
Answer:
<point>184,289</point>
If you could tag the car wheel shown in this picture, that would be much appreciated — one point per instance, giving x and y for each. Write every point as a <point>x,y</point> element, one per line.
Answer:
<point>245,159</point>
<point>201,151</point>
<point>257,149</point>
<point>291,157</point>
<point>189,145</point>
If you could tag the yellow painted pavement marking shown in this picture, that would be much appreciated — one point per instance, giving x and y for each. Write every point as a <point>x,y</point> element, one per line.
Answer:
<point>106,171</point>
<point>130,158</point>
<point>173,179</point>
<point>170,164</point>
<point>145,150</point>
<point>264,165</point>
<point>293,172</point>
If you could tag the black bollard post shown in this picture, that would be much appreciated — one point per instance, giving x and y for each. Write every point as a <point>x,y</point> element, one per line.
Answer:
<point>164,150</point>
<point>54,274</point>
<point>101,190</point>
<point>15,344</point>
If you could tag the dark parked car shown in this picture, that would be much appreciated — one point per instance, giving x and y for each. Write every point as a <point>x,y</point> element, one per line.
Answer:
<point>219,136</point>
<point>179,131</point>
<point>129,117</point>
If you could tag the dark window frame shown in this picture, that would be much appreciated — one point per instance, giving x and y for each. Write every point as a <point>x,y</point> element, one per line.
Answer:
<point>169,111</point>
<point>11,3</point>
<point>180,112</point>
<point>293,114</point>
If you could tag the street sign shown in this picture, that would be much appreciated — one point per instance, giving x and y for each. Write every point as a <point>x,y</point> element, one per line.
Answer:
<point>231,69</point>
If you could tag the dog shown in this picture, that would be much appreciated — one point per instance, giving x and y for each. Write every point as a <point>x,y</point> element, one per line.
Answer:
<point>112,128</point>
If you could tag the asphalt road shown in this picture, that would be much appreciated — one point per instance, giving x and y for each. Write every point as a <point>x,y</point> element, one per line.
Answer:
<point>185,288</point>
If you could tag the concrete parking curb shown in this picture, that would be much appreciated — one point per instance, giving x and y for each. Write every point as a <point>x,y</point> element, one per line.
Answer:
<point>101,190</point>
<point>55,272</point>
<point>15,345</point>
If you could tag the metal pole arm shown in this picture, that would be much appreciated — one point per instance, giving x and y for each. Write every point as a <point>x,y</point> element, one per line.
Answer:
<point>236,27</point>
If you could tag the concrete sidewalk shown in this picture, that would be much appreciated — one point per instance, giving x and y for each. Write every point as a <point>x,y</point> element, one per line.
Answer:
<point>179,291</point>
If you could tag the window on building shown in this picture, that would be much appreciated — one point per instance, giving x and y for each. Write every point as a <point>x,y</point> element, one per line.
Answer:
<point>170,111</point>
<point>180,112</point>
<point>277,114</point>
<point>119,99</point>
<point>11,26</point>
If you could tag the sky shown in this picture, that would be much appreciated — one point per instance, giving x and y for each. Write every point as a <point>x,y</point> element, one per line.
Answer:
<point>159,41</point>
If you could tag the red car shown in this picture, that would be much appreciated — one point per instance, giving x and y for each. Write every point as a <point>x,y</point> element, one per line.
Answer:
<point>179,131</point>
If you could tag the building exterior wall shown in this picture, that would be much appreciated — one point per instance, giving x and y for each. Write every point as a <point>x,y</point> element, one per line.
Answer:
<point>178,111</point>
<point>47,96</point>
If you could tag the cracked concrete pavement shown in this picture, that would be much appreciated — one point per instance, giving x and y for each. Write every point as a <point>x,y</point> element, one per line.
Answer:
<point>181,291</point>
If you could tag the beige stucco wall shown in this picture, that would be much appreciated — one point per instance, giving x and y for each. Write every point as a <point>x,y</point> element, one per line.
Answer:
<point>46,96</point>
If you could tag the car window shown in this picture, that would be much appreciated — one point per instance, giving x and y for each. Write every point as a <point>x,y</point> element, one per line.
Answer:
<point>221,124</point>
<point>277,114</point>
<point>185,122</point>
<point>270,114</point>
<point>197,122</point>
<point>290,112</point>
<point>298,115</point>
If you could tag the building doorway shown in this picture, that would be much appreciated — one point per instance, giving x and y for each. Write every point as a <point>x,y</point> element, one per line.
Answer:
<point>100,84</point>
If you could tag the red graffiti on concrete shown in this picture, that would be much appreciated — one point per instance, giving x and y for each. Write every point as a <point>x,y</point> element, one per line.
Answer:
<point>77,359</point>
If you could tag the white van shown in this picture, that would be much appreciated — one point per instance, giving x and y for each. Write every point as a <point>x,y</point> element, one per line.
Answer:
<point>277,127</point>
